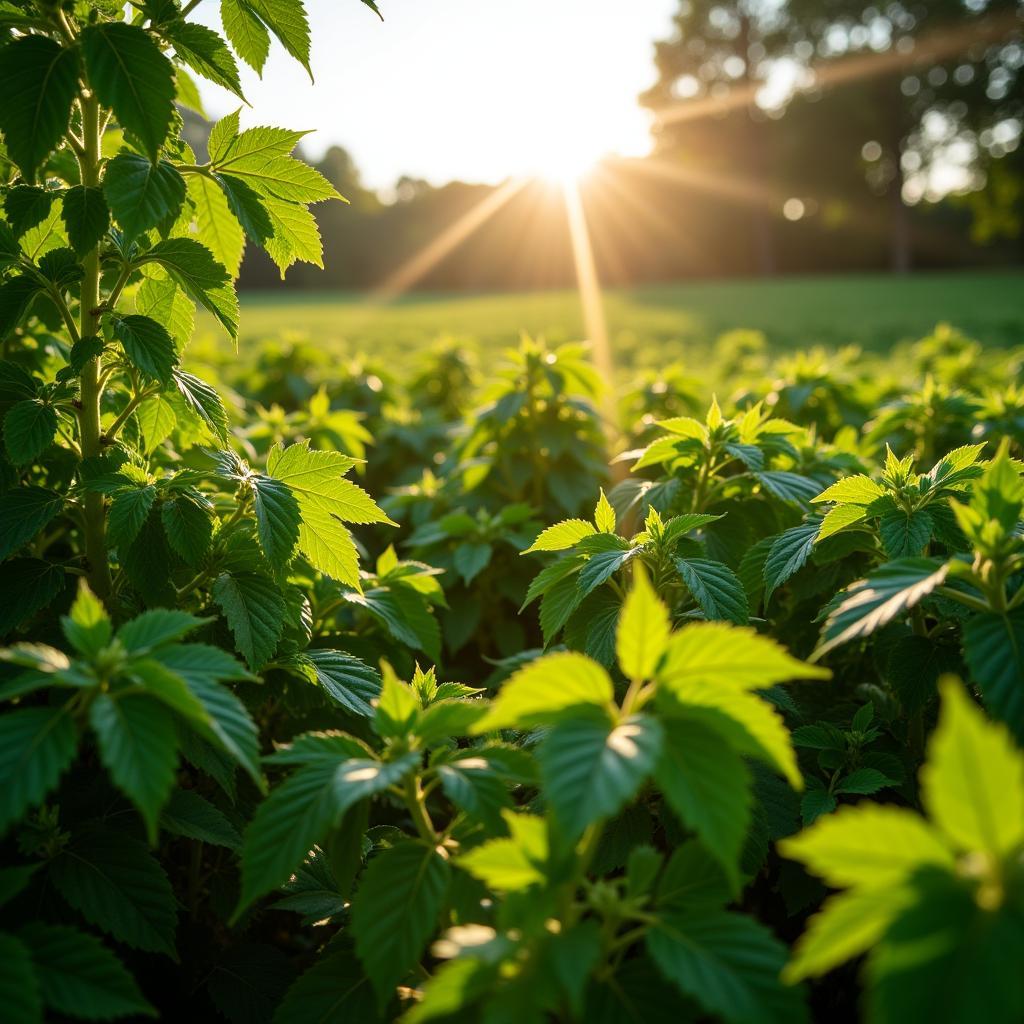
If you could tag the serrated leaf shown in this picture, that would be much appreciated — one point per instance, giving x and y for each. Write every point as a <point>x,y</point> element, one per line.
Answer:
<point>715,588</point>
<point>19,987</point>
<point>277,519</point>
<point>128,511</point>
<point>565,534</point>
<point>138,746</point>
<point>30,584</point>
<point>147,345</point>
<point>905,536</point>
<point>348,681</point>
<point>288,21</point>
<point>728,963</point>
<point>247,34</point>
<point>86,217</point>
<point>395,911</point>
<point>973,782</point>
<point>643,629</point>
<point>193,267</point>
<point>300,811</point>
<point>193,816</point>
<point>852,490</point>
<point>187,520</point>
<point>994,650</point>
<point>206,53</point>
<point>116,884</point>
<point>29,429</point>
<point>24,511</point>
<point>156,420</point>
<point>255,612</point>
<point>333,991</point>
<point>547,690</point>
<point>868,845</point>
<point>218,226</point>
<point>788,554</point>
<point>590,768</point>
<point>877,599</point>
<point>131,76</point>
<point>36,747</point>
<point>142,194</point>
<point>80,977</point>
<point>203,400</point>
<point>707,784</point>
<point>38,80</point>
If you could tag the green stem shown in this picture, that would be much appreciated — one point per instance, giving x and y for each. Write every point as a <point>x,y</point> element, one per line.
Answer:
<point>137,399</point>
<point>417,805</point>
<point>91,388</point>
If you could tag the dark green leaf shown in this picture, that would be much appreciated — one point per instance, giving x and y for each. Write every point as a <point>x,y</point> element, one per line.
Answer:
<point>255,612</point>
<point>715,588</point>
<point>29,429</point>
<point>141,194</point>
<point>86,216</point>
<point>147,345</point>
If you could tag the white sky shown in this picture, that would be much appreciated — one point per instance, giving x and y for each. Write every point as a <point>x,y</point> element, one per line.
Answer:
<point>478,90</point>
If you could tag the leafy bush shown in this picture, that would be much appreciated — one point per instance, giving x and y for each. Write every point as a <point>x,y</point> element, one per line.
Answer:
<point>272,751</point>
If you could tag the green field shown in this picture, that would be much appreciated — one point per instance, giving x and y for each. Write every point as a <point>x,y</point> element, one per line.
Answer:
<point>652,325</point>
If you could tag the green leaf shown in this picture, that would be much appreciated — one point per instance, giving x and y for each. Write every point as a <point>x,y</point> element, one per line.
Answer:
<point>203,400</point>
<point>29,429</point>
<point>205,53</point>
<point>510,865</point>
<point>604,515</point>
<point>193,816</point>
<point>905,536</point>
<point>80,977</point>
<point>16,297</point>
<point>162,300</point>
<point>128,511</point>
<point>731,656</point>
<point>30,585</point>
<point>346,680</point>
<point>287,20</point>
<point>142,194</point>
<point>88,628</point>
<point>643,629</point>
<point>396,708</point>
<point>193,267</point>
<point>300,811</point>
<point>728,963</point>
<point>565,534</point>
<point>116,884</point>
<point>38,81</point>
<point>86,217</point>
<point>25,206</point>
<point>877,599</point>
<point>131,76</point>
<point>470,560</point>
<point>600,568</point>
<point>847,925</point>
<point>474,784</point>
<point>839,517</point>
<point>973,782</point>
<point>333,991</point>
<point>852,490</point>
<point>707,784</point>
<point>994,650</point>
<point>868,845</point>
<point>138,746</point>
<point>715,588</point>
<point>156,419</point>
<point>548,690</point>
<point>151,629</point>
<point>147,345</point>
<point>19,986</point>
<point>277,519</point>
<point>247,34</point>
<point>255,612</point>
<point>37,745</point>
<point>218,226</point>
<point>396,910</point>
<point>24,511</point>
<point>787,555</point>
<point>590,769</point>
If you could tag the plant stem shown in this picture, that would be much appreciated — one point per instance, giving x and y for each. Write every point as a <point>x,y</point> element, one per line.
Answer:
<point>91,388</point>
<point>418,810</point>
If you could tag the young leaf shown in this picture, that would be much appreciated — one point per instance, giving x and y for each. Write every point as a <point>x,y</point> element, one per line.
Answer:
<point>396,911</point>
<point>973,783</point>
<point>643,629</point>
<point>38,79</point>
<point>565,534</point>
<point>548,690</point>
<point>88,628</point>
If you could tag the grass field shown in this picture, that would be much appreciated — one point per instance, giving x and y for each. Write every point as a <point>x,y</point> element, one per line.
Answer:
<point>653,325</point>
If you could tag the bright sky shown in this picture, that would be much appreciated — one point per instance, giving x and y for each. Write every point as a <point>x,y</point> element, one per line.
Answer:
<point>478,90</point>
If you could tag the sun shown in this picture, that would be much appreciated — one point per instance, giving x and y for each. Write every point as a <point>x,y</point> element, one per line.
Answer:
<point>566,145</point>
<point>566,168</point>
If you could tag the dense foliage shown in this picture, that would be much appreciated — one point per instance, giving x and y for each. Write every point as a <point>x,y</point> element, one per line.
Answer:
<point>236,778</point>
